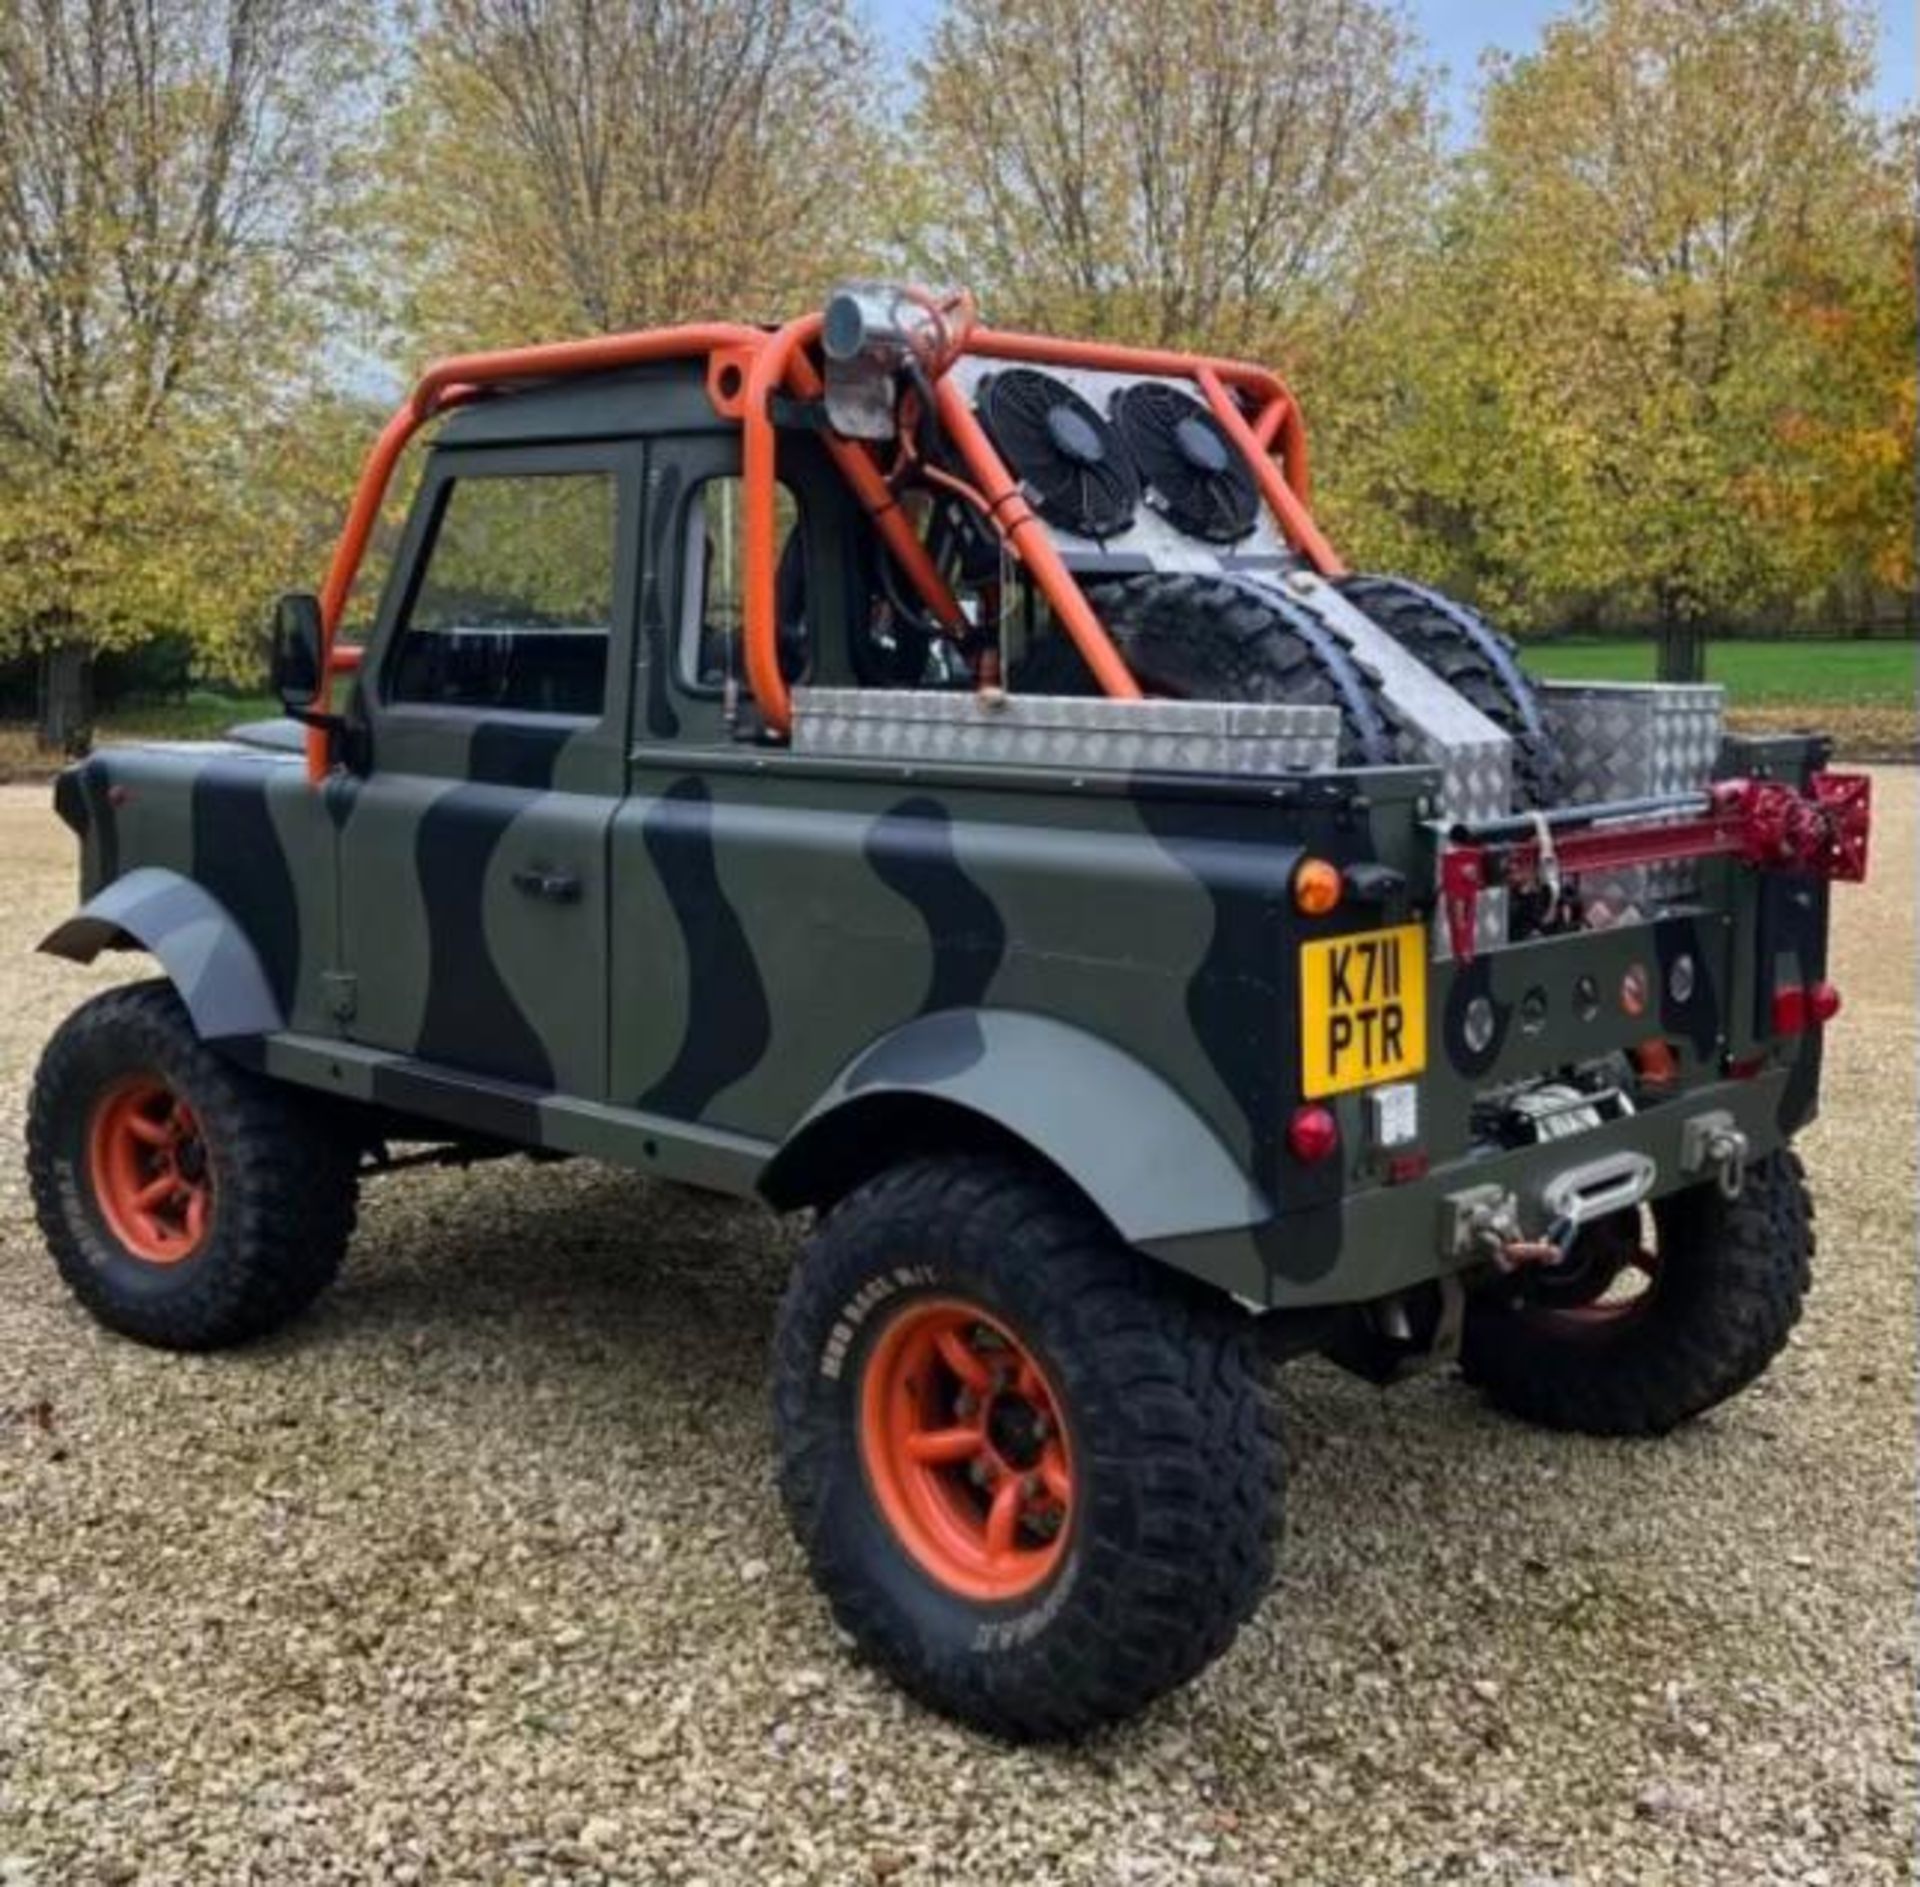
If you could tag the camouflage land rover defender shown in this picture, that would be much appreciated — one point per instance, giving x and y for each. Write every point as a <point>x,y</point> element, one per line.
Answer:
<point>943,780</point>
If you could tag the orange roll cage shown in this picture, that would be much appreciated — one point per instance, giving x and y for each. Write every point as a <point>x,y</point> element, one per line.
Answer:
<point>746,367</point>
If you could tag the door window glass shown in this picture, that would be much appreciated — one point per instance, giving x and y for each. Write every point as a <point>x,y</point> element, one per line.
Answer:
<point>713,613</point>
<point>515,608</point>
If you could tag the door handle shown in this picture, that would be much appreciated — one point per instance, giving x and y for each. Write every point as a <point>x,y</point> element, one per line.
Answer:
<point>557,887</point>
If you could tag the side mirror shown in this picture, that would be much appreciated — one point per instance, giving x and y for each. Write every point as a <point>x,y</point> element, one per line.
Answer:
<point>297,642</point>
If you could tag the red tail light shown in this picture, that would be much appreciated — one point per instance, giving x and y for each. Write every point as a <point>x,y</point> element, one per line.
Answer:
<point>1796,1010</point>
<point>1655,1063</point>
<point>1312,1134</point>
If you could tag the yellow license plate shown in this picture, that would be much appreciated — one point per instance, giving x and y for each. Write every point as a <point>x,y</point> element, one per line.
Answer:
<point>1363,1009</point>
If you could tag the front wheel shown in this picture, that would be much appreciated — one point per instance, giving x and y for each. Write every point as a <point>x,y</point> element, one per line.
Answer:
<point>1036,1477</point>
<point>1652,1317</point>
<point>187,1203</point>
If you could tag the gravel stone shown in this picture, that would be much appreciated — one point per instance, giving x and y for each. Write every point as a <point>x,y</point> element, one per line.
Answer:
<point>478,1575</point>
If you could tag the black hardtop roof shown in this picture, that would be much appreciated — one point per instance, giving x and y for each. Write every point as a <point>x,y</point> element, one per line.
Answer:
<point>670,396</point>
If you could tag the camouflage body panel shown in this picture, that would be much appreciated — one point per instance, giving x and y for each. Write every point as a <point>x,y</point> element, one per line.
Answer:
<point>238,823</point>
<point>640,937</point>
<point>1103,971</point>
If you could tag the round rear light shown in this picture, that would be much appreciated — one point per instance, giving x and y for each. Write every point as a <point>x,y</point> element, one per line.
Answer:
<point>1682,976</point>
<point>1823,1002</point>
<point>1316,887</point>
<point>1313,1134</point>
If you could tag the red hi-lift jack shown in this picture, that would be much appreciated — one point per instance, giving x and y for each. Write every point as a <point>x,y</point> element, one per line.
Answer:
<point>1763,823</point>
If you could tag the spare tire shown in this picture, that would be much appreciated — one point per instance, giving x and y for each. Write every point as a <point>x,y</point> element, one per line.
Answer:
<point>1207,638</point>
<point>1476,661</point>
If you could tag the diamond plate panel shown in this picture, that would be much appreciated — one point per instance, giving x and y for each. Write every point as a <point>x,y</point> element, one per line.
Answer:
<point>1620,740</point>
<point>1631,740</point>
<point>1077,733</point>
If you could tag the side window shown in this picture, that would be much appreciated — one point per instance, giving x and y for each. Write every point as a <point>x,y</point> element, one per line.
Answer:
<point>515,607</point>
<point>712,605</point>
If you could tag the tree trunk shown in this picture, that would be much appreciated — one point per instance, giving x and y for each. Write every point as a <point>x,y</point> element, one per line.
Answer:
<point>1683,643</point>
<point>66,698</point>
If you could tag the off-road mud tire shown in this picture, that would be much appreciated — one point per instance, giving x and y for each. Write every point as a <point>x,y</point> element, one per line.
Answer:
<point>1732,1277</point>
<point>1458,645</point>
<point>1199,638</point>
<point>1175,1448</point>
<point>282,1177</point>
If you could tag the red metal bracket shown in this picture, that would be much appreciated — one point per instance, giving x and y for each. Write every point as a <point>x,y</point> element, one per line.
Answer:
<point>1847,801</point>
<point>1763,823</point>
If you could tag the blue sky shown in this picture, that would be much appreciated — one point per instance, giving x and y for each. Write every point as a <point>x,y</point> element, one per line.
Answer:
<point>1457,34</point>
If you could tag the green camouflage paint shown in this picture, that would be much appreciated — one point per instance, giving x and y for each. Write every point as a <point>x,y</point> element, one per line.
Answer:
<point>640,938</point>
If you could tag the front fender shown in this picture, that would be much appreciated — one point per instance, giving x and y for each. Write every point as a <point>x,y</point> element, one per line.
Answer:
<point>204,952</point>
<point>1130,1141</point>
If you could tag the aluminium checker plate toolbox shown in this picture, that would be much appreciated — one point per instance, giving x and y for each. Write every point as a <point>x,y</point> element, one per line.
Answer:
<point>1635,740</point>
<point>1071,732</point>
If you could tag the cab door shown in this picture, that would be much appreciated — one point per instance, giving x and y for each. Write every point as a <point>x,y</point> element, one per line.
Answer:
<point>494,702</point>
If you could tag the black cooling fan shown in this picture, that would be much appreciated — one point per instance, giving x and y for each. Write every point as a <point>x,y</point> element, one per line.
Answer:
<point>1194,477</point>
<point>1070,460</point>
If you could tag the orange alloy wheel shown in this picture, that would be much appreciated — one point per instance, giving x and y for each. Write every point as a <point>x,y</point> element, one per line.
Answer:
<point>148,1166</point>
<point>965,1450</point>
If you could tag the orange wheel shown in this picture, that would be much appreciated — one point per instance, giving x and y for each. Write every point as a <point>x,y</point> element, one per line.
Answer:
<point>188,1202</point>
<point>965,1449</point>
<point>1006,1439</point>
<point>149,1171</point>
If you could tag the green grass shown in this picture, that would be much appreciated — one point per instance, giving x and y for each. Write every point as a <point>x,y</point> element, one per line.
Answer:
<point>1755,673</point>
<point>200,716</point>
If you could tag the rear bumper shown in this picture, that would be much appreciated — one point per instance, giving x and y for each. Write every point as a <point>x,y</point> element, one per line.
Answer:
<point>1387,1238</point>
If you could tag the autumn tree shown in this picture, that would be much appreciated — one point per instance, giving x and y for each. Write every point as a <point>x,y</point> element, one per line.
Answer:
<point>1838,487</point>
<point>169,182</point>
<point>1230,172</point>
<point>1626,363</point>
<point>565,165</point>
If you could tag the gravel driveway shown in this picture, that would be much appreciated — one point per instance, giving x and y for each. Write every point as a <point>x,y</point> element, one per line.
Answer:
<point>478,1574</point>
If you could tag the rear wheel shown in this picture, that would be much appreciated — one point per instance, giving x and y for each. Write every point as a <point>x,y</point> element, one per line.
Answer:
<point>1035,1475</point>
<point>1653,1317</point>
<point>187,1203</point>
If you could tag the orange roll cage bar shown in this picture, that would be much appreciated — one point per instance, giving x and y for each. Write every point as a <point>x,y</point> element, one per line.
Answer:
<point>746,368</point>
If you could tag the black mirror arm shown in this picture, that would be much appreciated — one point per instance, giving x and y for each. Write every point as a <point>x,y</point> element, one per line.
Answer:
<point>336,727</point>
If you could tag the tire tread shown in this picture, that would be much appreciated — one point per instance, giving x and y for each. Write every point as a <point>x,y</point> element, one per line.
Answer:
<point>1203,638</point>
<point>1438,639</point>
